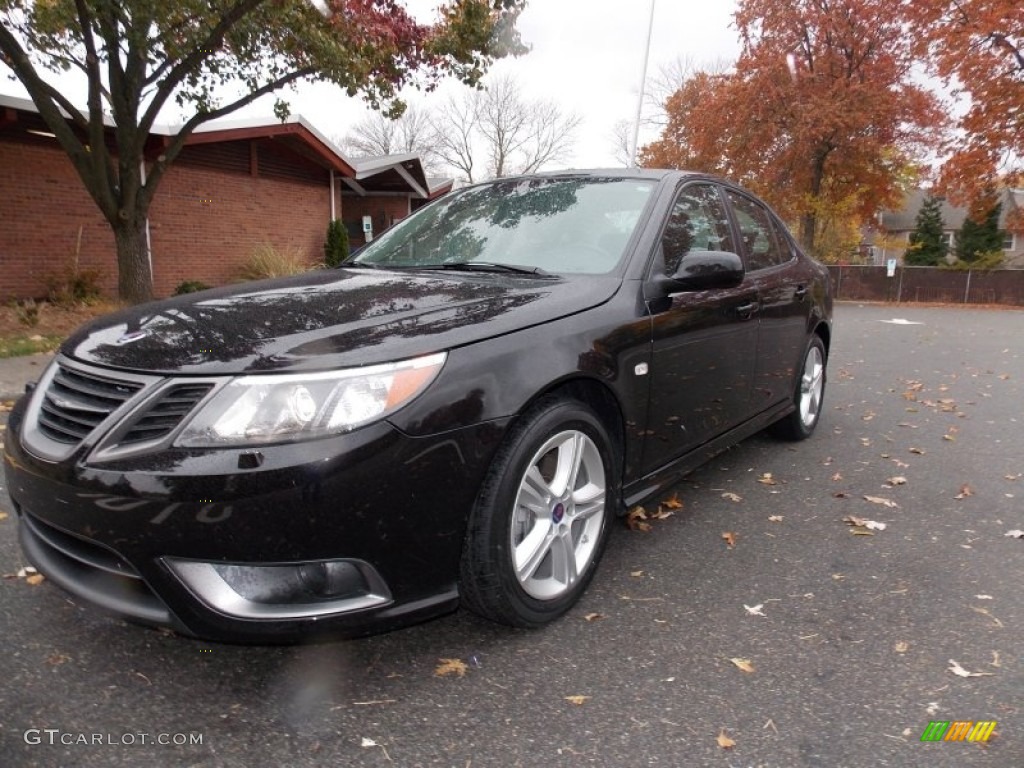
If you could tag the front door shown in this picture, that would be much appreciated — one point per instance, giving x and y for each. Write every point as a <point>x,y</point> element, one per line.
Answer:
<point>704,342</point>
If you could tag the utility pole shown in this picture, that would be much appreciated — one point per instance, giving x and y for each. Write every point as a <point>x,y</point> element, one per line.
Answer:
<point>643,88</point>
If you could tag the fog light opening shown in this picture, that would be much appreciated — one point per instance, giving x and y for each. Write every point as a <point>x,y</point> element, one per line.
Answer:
<point>314,588</point>
<point>330,579</point>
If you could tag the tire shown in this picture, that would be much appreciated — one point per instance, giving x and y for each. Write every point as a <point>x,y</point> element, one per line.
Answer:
<point>810,391</point>
<point>541,519</point>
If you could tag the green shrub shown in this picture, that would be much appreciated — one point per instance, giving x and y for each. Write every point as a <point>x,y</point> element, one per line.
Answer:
<point>985,260</point>
<point>190,286</point>
<point>269,261</point>
<point>336,245</point>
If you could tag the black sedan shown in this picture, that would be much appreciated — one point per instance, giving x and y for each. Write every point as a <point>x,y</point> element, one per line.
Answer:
<point>453,416</point>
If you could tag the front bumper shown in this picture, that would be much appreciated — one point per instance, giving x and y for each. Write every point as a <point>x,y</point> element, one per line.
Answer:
<point>145,537</point>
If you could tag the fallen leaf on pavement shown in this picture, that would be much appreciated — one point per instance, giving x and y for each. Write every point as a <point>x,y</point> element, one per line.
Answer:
<point>840,495</point>
<point>593,617</point>
<point>635,520</point>
<point>732,496</point>
<point>730,539</point>
<point>918,451</point>
<point>838,476</point>
<point>898,480</point>
<point>883,501</point>
<point>450,667</point>
<point>767,479</point>
<point>861,522</point>
<point>673,502</point>
<point>724,741</point>
<point>901,647</point>
<point>965,491</point>
<point>662,514</point>
<point>986,612</point>
<point>35,579</point>
<point>1016,534</point>
<point>743,664</point>
<point>959,671</point>
<point>775,518</point>
<point>3,515</point>
<point>577,700</point>
<point>754,610</point>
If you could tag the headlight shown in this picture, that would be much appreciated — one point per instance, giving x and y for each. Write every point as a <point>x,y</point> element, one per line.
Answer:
<point>266,409</point>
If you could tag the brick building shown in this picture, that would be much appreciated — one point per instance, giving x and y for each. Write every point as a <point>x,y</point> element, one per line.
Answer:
<point>236,185</point>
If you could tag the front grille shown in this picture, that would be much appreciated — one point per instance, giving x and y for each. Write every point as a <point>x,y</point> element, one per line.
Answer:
<point>165,413</point>
<point>76,402</point>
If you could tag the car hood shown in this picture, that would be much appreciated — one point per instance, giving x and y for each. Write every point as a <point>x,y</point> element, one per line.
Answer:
<point>328,319</point>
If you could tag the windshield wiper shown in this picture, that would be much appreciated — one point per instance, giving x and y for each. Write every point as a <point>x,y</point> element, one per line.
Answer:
<point>487,266</point>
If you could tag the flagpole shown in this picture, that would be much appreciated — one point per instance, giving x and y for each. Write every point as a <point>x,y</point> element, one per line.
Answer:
<point>643,88</point>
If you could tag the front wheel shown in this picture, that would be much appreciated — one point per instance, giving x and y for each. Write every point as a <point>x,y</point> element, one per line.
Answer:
<point>540,522</point>
<point>810,391</point>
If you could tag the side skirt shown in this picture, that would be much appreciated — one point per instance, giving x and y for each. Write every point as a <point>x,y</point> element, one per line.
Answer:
<point>663,478</point>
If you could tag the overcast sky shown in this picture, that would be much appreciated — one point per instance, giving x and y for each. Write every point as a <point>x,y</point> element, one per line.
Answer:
<point>587,55</point>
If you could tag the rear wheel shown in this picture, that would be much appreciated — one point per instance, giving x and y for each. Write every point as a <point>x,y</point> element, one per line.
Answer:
<point>810,391</point>
<point>540,523</point>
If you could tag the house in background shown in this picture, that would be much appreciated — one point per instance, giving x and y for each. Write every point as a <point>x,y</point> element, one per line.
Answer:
<point>235,186</point>
<point>890,235</point>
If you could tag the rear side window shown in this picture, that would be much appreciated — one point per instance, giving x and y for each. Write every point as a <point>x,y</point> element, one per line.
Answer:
<point>762,245</point>
<point>698,223</point>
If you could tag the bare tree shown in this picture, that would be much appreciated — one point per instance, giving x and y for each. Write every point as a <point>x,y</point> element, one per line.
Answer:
<point>670,78</point>
<point>622,142</point>
<point>515,134</point>
<point>454,126</point>
<point>378,134</point>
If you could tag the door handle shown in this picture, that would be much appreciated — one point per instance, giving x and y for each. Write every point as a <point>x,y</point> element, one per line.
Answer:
<point>800,292</point>
<point>747,310</point>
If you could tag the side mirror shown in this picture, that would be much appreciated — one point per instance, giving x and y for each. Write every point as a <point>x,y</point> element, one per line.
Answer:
<point>707,270</point>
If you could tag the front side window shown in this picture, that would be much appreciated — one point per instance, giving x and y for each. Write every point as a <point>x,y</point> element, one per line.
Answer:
<point>559,224</point>
<point>698,222</point>
<point>763,246</point>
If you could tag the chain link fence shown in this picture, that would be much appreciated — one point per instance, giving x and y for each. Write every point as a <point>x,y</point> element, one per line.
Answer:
<point>928,284</point>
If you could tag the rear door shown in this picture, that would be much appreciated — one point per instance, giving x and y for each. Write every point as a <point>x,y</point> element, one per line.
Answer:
<point>782,284</point>
<point>704,342</point>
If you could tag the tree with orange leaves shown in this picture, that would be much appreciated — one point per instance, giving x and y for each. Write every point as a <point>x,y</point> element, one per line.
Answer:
<point>977,48</point>
<point>820,115</point>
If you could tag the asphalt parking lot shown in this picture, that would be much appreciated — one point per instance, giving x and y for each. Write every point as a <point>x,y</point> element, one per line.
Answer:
<point>851,632</point>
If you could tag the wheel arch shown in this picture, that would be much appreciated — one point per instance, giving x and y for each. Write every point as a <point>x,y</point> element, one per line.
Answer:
<point>823,330</point>
<point>598,396</point>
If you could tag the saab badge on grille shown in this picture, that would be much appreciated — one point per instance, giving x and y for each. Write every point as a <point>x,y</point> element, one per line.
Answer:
<point>128,338</point>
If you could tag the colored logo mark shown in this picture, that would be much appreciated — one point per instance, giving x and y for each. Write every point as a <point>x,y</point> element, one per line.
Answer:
<point>958,730</point>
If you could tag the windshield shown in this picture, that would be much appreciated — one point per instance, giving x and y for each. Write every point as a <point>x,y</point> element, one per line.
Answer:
<point>558,225</point>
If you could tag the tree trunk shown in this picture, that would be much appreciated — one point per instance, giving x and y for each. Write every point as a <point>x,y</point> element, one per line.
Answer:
<point>134,272</point>
<point>808,225</point>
